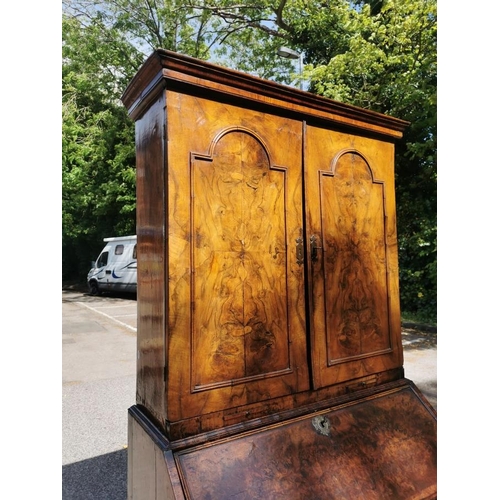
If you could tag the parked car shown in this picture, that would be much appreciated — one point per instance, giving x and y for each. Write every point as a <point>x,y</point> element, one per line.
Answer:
<point>116,267</point>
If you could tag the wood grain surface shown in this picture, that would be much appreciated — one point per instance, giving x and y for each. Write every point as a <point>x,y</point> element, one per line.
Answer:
<point>355,265</point>
<point>270,361</point>
<point>377,448</point>
<point>268,274</point>
<point>236,292</point>
<point>239,281</point>
<point>150,180</point>
<point>353,288</point>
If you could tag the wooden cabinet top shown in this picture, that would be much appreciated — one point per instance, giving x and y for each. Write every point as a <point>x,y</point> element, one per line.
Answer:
<point>172,70</point>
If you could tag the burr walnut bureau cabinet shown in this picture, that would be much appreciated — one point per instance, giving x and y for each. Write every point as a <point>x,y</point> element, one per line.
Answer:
<point>268,302</point>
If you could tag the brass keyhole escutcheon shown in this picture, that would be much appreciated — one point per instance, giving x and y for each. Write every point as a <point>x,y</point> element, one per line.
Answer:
<point>321,425</point>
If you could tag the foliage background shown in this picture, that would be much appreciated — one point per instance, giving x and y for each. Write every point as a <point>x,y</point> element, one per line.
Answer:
<point>380,55</point>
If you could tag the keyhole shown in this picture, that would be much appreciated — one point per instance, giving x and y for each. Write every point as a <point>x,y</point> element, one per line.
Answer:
<point>321,425</point>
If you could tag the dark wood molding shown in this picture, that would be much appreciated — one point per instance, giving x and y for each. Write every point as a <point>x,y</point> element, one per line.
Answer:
<point>165,67</point>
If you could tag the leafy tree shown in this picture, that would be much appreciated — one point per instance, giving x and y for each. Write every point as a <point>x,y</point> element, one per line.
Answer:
<point>104,44</point>
<point>378,54</point>
<point>97,144</point>
<point>389,66</point>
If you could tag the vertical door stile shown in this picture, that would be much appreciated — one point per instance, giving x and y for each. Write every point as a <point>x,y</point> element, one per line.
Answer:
<point>310,206</point>
<point>305,239</point>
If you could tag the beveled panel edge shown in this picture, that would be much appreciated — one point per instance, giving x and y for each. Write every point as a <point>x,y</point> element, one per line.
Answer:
<point>331,172</point>
<point>356,357</point>
<point>243,380</point>
<point>422,398</point>
<point>209,157</point>
<point>164,65</point>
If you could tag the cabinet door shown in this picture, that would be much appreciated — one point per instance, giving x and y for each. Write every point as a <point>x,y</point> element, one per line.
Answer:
<point>352,256</point>
<point>236,333</point>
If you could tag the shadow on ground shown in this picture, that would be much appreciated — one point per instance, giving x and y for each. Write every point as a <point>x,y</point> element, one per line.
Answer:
<point>98,478</point>
<point>414,338</point>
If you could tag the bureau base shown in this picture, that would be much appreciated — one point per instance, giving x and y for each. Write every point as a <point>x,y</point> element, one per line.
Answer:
<point>378,446</point>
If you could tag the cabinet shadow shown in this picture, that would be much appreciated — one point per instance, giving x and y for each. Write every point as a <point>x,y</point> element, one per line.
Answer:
<point>100,478</point>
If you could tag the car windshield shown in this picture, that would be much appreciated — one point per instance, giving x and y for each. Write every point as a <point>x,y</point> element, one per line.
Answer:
<point>103,259</point>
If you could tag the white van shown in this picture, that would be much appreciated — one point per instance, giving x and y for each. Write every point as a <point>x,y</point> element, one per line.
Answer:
<point>116,267</point>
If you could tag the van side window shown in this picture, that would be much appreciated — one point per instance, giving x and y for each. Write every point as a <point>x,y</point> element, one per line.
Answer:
<point>134,254</point>
<point>119,250</point>
<point>103,259</point>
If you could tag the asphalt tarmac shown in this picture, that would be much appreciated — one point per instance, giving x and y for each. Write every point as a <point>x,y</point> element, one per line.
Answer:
<point>98,376</point>
<point>98,387</point>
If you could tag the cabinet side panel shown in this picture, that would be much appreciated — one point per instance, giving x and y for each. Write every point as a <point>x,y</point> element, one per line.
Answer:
<point>150,260</point>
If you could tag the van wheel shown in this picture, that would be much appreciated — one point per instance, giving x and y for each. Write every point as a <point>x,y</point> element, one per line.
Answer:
<point>94,289</point>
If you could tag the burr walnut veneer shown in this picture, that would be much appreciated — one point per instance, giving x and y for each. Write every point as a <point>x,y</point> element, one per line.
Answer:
<point>267,294</point>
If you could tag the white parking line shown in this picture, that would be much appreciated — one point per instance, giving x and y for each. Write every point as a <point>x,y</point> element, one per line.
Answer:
<point>115,306</point>
<point>408,342</point>
<point>108,316</point>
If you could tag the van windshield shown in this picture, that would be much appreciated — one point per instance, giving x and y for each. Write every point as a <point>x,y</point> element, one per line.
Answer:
<point>102,260</point>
